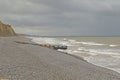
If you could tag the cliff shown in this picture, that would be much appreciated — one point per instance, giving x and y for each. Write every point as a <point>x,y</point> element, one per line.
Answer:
<point>6,30</point>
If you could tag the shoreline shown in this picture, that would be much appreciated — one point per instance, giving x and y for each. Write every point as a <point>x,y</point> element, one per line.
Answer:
<point>84,57</point>
<point>43,45</point>
<point>32,62</point>
<point>75,56</point>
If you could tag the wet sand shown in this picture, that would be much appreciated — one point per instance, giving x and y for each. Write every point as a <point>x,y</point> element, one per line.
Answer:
<point>31,62</point>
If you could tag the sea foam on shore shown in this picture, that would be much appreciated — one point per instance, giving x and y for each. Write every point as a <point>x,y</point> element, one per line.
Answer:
<point>99,53</point>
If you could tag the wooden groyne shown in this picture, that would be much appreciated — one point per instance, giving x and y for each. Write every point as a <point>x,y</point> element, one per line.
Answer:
<point>55,47</point>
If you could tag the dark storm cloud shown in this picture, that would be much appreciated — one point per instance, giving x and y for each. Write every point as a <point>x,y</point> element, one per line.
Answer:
<point>62,17</point>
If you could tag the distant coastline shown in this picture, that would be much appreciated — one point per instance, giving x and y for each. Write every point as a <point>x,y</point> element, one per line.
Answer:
<point>67,36</point>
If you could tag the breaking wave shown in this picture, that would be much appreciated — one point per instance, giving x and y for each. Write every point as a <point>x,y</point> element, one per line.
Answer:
<point>102,54</point>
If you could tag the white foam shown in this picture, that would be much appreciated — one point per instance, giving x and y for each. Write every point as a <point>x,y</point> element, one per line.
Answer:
<point>106,61</point>
<point>100,51</point>
<point>75,51</point>
<point>91,43</point>
<point>81,48</point>
<point>89,50</point>
<point>72,40</point>
<point>113,45</point>
<point>55,41</point>
<point>106,52</point>
<point>115,69</point>
<point>44,40</point>
<point>63,41</point>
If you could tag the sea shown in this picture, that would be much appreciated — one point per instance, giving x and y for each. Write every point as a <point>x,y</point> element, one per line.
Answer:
<point>100,51</point>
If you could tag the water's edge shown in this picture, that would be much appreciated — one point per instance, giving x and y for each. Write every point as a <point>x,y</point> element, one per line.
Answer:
<point>83,58</point>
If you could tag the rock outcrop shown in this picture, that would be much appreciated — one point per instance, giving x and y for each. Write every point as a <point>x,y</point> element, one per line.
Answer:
<point>6,30</point>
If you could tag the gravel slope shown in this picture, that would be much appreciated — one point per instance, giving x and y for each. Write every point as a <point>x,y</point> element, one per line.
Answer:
<point>30,62</point>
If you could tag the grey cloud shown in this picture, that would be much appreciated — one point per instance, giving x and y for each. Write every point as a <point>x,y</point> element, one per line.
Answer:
<point>62,17</point>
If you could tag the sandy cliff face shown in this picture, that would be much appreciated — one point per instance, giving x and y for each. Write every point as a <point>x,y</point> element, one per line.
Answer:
<point>6,30</point>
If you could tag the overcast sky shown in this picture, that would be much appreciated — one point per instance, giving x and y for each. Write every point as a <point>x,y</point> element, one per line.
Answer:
<point>62,17</point>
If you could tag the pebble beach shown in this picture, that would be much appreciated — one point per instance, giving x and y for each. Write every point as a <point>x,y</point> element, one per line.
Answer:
<point>32,62</point>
